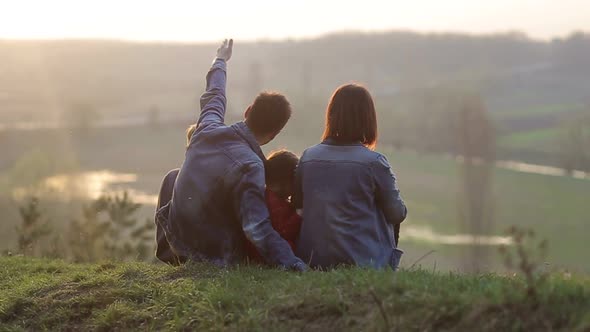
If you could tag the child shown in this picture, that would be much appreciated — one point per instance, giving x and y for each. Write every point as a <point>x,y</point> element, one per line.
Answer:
<point>163,251</point>
<point>280,182</point>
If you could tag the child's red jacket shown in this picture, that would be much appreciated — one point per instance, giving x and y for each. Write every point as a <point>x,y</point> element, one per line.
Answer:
<point>284,220</point>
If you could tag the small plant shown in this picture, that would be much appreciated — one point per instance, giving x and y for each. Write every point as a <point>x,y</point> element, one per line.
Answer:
<point>527,257</point>
<point>109,229</point>
<point>120,210</point>
<point>33,227</point>
<point>87,235</point>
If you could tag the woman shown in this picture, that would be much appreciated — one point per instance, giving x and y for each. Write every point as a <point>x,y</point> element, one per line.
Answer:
<point>347,191</point>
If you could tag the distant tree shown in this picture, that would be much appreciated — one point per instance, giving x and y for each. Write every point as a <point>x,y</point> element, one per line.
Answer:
<point>153,117</point>
<point>80,117</point>
<point>306,82</point>
<point>575,143</point>
<point>255,79</point>
<point>475,139</point>
<point>33,227</point>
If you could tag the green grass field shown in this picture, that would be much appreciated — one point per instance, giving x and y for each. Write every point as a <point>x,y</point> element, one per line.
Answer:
<point>546,140</point>
<point>53,295</point>
<point>555,207</point>
<point>535,134</point>
<point>531,112</point>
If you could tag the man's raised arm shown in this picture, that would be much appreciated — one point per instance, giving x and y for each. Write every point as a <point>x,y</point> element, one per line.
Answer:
<point>213,101</point>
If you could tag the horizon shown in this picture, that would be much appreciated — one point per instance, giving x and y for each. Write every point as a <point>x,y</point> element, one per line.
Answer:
<point>500,33</point>
<point>263,20</point>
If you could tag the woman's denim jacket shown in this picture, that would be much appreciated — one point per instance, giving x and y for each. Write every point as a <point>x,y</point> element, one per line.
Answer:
<point>350,204</point>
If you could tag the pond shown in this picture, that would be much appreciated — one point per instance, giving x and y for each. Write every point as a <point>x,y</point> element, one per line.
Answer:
<point>89,185</point>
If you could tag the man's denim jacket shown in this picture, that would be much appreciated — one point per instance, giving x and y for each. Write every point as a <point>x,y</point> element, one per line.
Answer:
<point>218,199</point>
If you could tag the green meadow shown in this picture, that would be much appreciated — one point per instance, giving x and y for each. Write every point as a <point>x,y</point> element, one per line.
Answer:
<point>52,295</point>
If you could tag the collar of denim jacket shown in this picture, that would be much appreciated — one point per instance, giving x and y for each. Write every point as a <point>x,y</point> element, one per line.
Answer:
<point>332,141</point>
<point>242,129</point>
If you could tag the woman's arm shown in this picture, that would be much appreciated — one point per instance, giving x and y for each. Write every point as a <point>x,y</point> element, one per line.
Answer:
<point>387,194</point>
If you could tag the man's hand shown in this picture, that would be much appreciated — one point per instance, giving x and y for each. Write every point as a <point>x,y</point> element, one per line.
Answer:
<point>224,51</point>
<point>299,267</point>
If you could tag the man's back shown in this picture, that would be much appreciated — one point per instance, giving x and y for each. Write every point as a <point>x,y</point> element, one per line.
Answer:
<point>215,162</point>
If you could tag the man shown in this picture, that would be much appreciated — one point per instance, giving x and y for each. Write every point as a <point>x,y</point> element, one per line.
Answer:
<point>163,251</point>
<point>218,199</point>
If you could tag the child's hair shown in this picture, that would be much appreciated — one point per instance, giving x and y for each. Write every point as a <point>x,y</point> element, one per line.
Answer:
<point>280,167</point>
<point>189,133</point>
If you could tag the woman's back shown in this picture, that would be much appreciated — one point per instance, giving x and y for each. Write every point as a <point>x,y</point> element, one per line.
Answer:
<point>343,222</point>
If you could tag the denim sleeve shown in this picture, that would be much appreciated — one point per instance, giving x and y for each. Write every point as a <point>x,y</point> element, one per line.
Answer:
<point>387,194</point>
<point>213,100</point>
<point>251,206</point>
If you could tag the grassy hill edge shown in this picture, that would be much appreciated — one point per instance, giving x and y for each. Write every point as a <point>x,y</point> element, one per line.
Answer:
<point>40,294</point>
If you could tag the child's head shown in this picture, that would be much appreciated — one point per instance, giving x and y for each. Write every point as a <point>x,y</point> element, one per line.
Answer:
<point>280,172</point>
<point>189,133</point>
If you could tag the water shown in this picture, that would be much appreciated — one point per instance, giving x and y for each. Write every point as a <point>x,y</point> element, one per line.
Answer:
<point>540,169</point>
<point>426,234</point>
<point>89,185</point>
<point>522,167</point>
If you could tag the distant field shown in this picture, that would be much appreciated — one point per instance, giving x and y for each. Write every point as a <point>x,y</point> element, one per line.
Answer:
<point>546,139</point>
<point>555,207</point>
<point>535,134</point>
<point>556,109</point>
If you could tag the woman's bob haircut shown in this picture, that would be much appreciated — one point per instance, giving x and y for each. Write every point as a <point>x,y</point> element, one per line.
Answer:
<point>350,117</point>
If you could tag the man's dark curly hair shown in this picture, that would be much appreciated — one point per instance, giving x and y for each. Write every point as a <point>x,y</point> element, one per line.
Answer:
<point>269,113</point>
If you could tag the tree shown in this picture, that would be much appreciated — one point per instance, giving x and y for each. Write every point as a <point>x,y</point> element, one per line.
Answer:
<point>153,117</point>
<point>86,236</point>
<point>575,143</point>
<point>80,117</point>
<point>475,140</point>
<point>33,227</point>
<point>109,229</point>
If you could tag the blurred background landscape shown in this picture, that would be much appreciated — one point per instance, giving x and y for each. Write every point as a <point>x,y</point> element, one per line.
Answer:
<point>484,131</point>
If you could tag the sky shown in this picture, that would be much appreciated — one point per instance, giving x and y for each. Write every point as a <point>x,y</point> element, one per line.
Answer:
<point>197,20</point>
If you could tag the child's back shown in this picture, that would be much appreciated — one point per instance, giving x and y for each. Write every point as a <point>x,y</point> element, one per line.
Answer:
<point>280,173</point>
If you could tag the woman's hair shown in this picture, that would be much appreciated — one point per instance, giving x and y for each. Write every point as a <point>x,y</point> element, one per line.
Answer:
<point>351,117</point>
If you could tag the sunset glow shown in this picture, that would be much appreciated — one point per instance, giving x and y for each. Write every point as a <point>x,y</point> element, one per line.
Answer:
<point>262,19</point>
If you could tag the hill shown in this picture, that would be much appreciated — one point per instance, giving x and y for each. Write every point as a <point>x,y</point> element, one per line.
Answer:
<point>54,295</point>
<point>531,87</point>
<point>512,71</point>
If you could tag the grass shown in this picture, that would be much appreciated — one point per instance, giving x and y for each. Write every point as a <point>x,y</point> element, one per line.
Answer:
<point>37,294</point>
<point>531,112</point>
<point>555,207</point>
<point>545,139</point>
